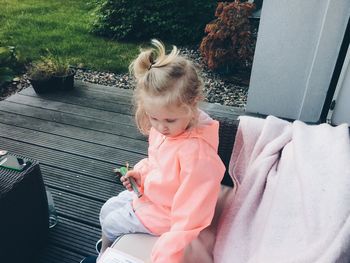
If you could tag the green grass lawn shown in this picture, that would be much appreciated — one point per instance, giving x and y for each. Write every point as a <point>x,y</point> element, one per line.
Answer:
<point>33,26</point>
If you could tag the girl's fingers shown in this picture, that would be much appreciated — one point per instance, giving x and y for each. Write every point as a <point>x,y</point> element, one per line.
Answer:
<point>135,174</point>
<point>126,182</point>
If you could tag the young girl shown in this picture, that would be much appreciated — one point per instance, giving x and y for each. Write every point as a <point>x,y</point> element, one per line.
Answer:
<point>180,179</point>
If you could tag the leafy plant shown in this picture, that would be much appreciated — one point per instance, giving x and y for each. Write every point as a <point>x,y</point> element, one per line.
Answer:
<point>229,42</point>
<point>47,67</point>
<point>180,21</point>
<point>9,64</point>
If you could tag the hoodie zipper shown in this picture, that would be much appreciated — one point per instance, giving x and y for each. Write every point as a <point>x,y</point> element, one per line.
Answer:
<point>161,142</point>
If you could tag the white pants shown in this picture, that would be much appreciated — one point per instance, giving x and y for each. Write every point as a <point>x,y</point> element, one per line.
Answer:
<point>117,217</point>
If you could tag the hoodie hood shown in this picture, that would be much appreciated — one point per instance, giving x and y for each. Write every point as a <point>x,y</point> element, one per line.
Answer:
<point>207,129</point>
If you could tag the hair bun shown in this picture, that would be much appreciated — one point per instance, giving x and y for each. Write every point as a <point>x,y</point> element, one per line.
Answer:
<point>140,66</point>
<point>152,58</point>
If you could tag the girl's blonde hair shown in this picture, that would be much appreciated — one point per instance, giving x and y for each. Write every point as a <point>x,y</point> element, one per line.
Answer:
<point>170,77</point>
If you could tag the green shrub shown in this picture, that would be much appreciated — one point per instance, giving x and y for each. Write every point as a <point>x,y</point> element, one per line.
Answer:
<point>179,21</point>
<point>9,65</point>
<point>229,42</point>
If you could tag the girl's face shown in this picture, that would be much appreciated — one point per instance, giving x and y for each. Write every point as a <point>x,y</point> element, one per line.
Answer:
<point>170,121</point>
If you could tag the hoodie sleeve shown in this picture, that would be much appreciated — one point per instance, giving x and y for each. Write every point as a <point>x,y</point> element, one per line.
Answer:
<point>142,166</point>
<point>201,171</point>
<point>139,165</point>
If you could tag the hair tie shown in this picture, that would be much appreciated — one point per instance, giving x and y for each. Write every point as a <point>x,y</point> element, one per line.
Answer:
<point>151,61</point>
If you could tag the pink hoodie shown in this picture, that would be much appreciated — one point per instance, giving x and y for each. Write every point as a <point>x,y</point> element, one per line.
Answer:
<point>180,185</point>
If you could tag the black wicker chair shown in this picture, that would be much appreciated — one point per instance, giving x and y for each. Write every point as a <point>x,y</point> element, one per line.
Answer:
<point>24,214</point>
<point>227,133</point>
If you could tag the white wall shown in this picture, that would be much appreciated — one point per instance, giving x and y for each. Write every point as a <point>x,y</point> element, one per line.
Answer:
<point>297,48</point>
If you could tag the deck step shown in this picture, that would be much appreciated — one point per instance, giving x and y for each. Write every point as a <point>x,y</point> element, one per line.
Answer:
<point>81,101</point>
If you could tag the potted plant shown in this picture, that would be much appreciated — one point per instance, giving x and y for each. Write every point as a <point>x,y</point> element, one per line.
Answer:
<point>51,73</point>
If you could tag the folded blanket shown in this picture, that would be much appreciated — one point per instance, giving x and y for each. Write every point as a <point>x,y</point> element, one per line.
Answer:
<point>293,194</point>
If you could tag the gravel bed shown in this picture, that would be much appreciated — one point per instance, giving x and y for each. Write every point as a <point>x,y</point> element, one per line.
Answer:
<point>218,89</point>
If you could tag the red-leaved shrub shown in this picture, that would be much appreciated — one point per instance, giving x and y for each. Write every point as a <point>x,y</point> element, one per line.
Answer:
<point>229,42</point>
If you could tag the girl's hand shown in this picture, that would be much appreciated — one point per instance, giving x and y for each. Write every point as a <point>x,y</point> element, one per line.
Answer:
<point>125,179</point>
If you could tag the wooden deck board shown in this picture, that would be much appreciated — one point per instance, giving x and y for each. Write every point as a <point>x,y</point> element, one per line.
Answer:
<point>73,132</point>
<point>54,254</point>
<point>70,118</point>
<point>80,184</point>
<point>80,109</point>
<point>78,137</point>
<point>86,101</point>
<point>69,145</point>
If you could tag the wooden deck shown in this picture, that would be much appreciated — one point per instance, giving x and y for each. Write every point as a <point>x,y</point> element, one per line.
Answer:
<point>78,137</point>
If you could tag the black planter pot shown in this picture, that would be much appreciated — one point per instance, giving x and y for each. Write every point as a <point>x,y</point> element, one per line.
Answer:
<point>43,85</point>
<point>64,82</point>
<point>55,83</point>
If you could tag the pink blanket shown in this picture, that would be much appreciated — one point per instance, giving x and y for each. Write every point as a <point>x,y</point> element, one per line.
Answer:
<point>293,197</point>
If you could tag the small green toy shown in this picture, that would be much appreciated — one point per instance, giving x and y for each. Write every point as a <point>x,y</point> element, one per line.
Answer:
<point>122,172</point>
